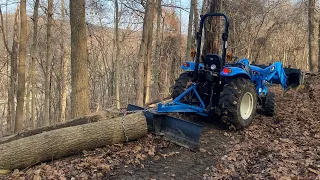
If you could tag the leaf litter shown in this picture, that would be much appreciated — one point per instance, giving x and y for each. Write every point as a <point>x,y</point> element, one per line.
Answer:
<point>286,146</point>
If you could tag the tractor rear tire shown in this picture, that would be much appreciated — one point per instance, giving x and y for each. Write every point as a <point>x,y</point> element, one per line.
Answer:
<point>238,103</point>
<point>181,84</point>
<point>268,104</point>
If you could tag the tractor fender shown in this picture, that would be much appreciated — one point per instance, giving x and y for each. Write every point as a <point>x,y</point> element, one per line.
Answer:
<point>235,72</point>
<point>244,61</point>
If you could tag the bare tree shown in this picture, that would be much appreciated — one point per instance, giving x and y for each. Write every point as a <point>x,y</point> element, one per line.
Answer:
<point>148,61</point>
<point>22,66</point>
<point>80,100</point>
<point>318,45</point>
<point>33,62</point>
<point>195,22</point>
<point>211,35</point>
<point>157,49</point>
<point>143,51</point>
<point>46,120</point>
<point>116,22</point>
<point>63,67</point>
<point>13,63</point>
<point>189,37</point>
<point>204,6</point>
<point>312,40</point>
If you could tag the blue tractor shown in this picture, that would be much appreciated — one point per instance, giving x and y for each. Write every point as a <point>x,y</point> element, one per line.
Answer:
<point>217,86</point>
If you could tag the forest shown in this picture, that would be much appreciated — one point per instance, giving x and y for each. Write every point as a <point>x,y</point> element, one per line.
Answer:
<point>70,65</point>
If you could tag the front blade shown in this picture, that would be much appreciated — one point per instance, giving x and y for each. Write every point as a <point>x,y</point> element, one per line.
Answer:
<point>181,132</point>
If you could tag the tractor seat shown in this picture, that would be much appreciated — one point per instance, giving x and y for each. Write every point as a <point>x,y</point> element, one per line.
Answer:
<point>213,59</point>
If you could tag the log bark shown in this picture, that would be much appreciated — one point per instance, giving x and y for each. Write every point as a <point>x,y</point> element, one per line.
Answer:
<point>68,141</point>
<point>95,117</point>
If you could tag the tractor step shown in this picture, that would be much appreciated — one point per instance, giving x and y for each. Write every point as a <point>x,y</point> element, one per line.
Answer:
<point>181,132</point>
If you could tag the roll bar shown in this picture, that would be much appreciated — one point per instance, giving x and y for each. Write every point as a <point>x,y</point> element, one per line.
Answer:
<point>224,38</point>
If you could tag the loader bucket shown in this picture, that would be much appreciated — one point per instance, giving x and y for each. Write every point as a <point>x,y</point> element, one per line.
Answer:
<point>181,132</point>
<point>295,77</point>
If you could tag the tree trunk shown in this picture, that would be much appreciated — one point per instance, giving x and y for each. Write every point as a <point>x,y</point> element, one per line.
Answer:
<point>189,37</point>
<point>162,88</point>
<point>148,62</point>
<point>147,21</point>
<point>14,67</point>
<point>63,142</point>
<point>63,68</point>
<point>157,51</point>
<point>4,29</point>
<point>195,22</point>
<point>27,113</point>
<point>33,63</point>
<point>318,44</point>
<point>80,100</point>
<point>117,19</point>
<point>204,6</point>
<point>212,30</point>
<point>312,40</point>
<point>13,70</point>
<point>48,64</point>
<point>22,67</point>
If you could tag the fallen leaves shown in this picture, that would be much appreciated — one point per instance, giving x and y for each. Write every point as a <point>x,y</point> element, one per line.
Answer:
<point>169,154</point>
<point>283,147</point>
<point>314,171</point>
<point>96,164</point>
<point>203,150</point>
<point>286,146</point>
<point>4,171</point>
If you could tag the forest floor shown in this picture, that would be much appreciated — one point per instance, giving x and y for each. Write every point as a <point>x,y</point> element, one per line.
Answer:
<point>286,146</point>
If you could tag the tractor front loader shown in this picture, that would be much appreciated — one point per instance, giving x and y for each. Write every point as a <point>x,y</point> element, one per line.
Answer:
<point>231,90</point>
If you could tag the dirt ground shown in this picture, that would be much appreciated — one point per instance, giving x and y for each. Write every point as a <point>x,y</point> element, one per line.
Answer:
<point>286,146</point>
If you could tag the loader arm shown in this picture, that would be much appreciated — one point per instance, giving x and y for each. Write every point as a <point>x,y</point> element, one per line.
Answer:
<point>275,72</point>
<point>270,74</point>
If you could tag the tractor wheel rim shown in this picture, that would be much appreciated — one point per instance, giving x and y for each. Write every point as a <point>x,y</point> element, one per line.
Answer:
<point>246,105</point>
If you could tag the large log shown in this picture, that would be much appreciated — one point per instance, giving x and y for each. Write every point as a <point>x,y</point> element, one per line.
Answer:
<point>94,117</point>
<point>68,141</point>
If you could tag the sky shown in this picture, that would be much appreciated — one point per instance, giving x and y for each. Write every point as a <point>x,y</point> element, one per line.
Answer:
<point>185,14</point>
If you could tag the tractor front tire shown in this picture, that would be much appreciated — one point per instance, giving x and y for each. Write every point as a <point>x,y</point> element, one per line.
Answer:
<point>238,103</point>
<point>181,84</point>
<point>268,104</point>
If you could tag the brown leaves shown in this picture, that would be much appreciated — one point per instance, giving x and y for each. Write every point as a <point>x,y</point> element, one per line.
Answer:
<point>286,146</point>
<point>151,151</point>
<point>203,150</point>
<point>314,171</point>
<point>37,175</point>
<point>169,154</point>
<point>4,171</point>
<point>100,162</point>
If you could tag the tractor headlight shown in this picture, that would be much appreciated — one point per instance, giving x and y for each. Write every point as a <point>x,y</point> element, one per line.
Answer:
<point>213,67</point>
<point>273,68</point>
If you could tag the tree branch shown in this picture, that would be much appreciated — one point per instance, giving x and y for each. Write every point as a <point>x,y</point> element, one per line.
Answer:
<point>4,34</point>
